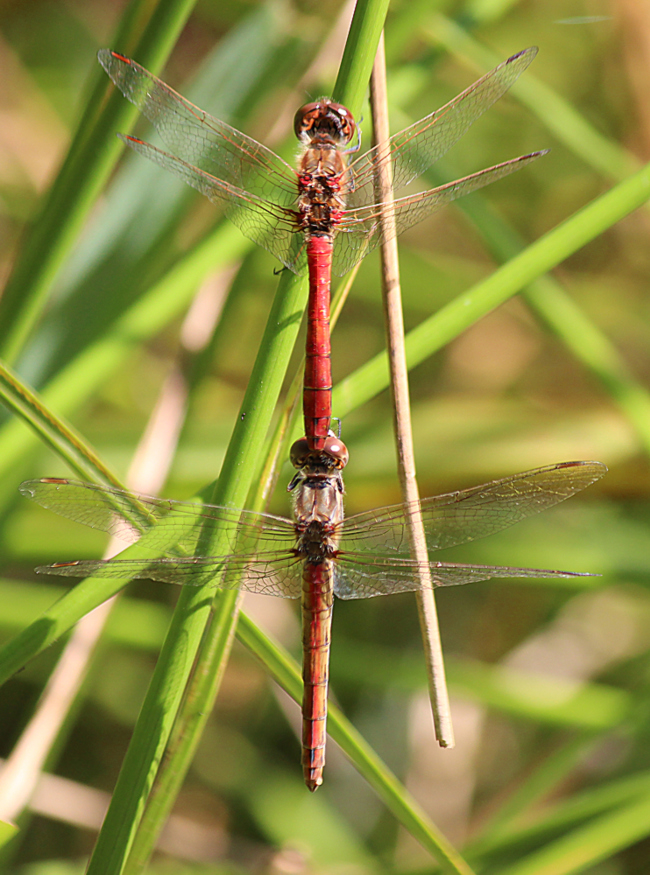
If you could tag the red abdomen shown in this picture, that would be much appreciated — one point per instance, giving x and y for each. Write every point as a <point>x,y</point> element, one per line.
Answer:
<point>317,396</point>
<point>317,598</point>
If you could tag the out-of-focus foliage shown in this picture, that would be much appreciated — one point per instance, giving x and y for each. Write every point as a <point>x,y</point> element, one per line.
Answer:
<point>549,680</point>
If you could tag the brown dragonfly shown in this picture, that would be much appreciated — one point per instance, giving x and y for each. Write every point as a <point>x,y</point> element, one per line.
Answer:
<point>317,555</point>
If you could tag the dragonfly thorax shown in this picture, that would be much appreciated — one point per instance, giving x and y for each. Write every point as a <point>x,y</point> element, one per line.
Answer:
<point>315,543</point>
<point>317,496</point>
<point>323,183</point>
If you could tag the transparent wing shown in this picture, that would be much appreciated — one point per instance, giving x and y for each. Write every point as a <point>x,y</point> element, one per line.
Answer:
<point>362,230</point>
<point>255,186</point>
<point>459,517</point>
<point>270,225</point>
<point>163,523</point>
<point>416,148</point>
<point>357,577</point>
<point>276,573</point>
<point>372,558</point>
<point>180,526</point>
<point>199,138</point>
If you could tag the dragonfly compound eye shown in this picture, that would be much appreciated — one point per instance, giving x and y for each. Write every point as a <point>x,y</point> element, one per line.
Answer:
<point>305,118</point>
<point>338,452</point>
<point>299,453</point>
<point>344,121</point>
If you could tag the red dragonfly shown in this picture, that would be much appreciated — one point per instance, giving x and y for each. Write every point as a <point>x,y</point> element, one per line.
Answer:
<point>323,215</point>
<point>318,555</point>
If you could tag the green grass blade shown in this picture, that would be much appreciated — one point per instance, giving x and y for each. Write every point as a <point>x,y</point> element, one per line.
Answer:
<point>8,831</point>
<point>535,830</point>
<point>359,54</point>
<point>589,844</point>
<point>51,430</point>
<point>568,321</point>
<point>395,796</point>
<point>556,767</point>
<point>540,257</point>
<point>538,698</point>
<point>163,698</point>
<point>90,369</point>
<point>565,122</point>
<point>92,155</point>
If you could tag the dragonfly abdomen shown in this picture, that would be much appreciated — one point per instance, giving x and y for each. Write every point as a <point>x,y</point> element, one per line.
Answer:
<point>317,397</point>
<point>317,599</point>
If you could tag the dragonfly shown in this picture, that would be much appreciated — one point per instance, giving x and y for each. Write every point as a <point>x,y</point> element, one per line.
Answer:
<point>314,557</point>
<point>324,215</point>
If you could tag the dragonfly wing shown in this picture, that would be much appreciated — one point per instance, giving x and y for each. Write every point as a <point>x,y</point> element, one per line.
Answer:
<point>362,229</point>
<point>164,524</point>
<point>357,577</point>
<point>199,138</point>
<point>459,517</point>
<point>278,574</point>
<point>418,147</point>
<point>270,225</point>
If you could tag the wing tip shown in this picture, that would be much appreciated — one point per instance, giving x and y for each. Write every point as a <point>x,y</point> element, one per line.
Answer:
<point>28,488</point>
<point>530,53</point>
<point>598,469</point>
<point>44,569</point>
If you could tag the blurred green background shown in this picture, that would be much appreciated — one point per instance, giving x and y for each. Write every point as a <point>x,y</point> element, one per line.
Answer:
<point>549,680</point>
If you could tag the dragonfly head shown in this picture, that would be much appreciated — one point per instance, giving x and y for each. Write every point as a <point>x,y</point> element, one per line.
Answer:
<point>317,469</point>
<point>334,454</point>
<point>324,122</point>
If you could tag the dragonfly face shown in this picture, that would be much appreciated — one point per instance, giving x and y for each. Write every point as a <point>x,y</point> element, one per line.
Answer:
<point>324,122</point>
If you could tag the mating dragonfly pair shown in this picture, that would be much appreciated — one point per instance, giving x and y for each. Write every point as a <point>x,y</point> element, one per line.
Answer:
<point>321,216</point>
